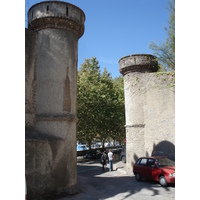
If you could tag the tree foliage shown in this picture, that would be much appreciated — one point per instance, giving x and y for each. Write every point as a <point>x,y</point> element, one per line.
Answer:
<point>100,104</point>
<point>165,52</point>
<point>88,82</point>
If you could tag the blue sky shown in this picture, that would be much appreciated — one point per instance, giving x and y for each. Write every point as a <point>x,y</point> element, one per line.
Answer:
<point>117,28</point>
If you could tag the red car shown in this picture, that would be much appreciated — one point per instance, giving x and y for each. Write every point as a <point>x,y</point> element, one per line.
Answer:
<point>156,168</point>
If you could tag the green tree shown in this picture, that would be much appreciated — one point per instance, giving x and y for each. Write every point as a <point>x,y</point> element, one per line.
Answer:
<point>106,106</point>
<point>88,82</point>
<point>119,129</point>
<point>165,52</point>
<point>100,104</point>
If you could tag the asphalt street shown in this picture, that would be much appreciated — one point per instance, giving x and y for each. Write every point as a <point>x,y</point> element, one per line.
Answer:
<point>95,184</point>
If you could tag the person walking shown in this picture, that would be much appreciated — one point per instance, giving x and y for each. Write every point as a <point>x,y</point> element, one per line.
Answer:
<point>103,160</point>
<point>110,159</point>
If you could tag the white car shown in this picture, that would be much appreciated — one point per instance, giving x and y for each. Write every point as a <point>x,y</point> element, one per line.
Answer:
<point>81,147</point>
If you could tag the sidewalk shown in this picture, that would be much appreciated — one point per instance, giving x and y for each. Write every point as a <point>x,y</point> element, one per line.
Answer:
<point>120,167</point>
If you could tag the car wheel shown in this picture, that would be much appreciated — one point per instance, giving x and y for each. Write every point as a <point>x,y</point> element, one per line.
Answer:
<point>137,177</point>
<point>123,159</point>
<point>162,181</point>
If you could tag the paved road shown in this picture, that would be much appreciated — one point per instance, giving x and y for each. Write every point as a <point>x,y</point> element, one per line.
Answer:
<point>94,184</point>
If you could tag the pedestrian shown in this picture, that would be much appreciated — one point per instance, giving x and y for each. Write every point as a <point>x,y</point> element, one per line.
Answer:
<point>103,160</point>
<point>110,159</point>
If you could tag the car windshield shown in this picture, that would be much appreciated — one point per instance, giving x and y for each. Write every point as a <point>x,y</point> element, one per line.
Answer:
<point>165,162</point>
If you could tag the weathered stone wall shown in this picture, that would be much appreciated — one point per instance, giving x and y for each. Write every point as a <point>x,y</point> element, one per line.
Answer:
<point>56,14</point>
<point>150,115</point>
<point>56,91</point>
<point>46,167</point>
<point>51,97</point>
<point>150,109</point>
<point>30,82</point>
<point>159,114</point>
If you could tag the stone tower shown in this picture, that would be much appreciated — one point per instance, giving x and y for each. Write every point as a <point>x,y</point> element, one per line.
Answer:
<point>51,146</point>
<point>149,107</point>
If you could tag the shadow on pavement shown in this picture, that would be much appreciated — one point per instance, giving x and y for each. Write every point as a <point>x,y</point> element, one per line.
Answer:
<point>93,183</point>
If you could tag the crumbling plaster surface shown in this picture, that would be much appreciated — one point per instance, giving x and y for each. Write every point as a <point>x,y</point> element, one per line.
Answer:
<point>51,98</point>
<point>30,76</point>
<point>159,113</point>
<point>47,167</point>
<point>56,71</point>
<point>150,114</point>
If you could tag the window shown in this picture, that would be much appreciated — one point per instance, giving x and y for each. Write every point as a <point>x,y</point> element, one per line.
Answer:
<point>143,161</point>
<point>67,11</point>
<point>151,162</point>
<point>138,162</point>
<point>164,162</point>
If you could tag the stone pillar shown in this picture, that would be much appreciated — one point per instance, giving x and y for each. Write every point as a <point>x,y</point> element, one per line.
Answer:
<point>59,26</point>
<point>133,69</point>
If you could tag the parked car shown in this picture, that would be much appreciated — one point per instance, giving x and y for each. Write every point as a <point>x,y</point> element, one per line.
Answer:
<point>81,147</point>
<point>117,150</point>
<point>123,157</point>
<point>156,168</point>
<point>93,154</point>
